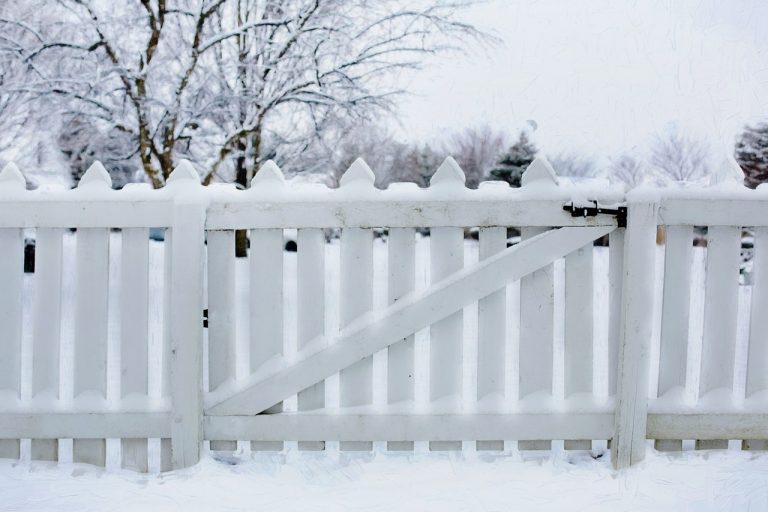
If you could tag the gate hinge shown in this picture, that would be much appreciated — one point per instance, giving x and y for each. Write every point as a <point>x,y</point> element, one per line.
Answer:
<point>619,212</point>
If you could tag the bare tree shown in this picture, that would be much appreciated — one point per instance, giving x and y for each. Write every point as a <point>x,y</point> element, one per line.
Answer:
<point>573,165</point>
<point>629,169</point>
<point>680,158</point>
<point>229,83</point>
<point>476,149</point>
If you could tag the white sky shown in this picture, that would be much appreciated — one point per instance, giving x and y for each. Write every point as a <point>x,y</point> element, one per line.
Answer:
<point>600,76</point>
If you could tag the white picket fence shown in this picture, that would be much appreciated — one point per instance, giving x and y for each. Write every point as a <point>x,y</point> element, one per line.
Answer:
<point>386,338</point>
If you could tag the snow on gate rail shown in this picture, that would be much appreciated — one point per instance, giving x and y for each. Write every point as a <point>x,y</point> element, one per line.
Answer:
<point>383,335</point>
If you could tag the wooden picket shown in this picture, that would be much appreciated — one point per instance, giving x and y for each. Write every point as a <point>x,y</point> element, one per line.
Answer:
<point>162,421</point>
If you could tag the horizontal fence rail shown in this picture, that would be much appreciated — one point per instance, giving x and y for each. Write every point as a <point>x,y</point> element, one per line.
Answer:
<point>139,324</point>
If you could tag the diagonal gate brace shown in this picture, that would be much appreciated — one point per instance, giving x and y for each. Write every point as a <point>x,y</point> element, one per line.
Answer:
<point>376,331</point>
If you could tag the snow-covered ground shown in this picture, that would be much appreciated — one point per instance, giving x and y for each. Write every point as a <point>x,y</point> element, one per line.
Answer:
<point>687,481</point>
<point>690,480</point>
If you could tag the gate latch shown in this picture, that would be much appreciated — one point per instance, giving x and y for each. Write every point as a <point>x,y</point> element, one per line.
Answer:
<point>619,212</point>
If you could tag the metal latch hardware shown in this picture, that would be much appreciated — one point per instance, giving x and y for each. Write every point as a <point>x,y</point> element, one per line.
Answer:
<point>592,211</point>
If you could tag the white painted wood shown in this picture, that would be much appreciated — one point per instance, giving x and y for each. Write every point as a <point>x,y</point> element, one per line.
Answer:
<point>401,356</point>
<point>90,372</point>
<point>11,293</point>
<point>90,350</point>
<point>47,312</point>
<point>266,308</point>
<point>266,264</point>
<point>406,316</point>
<point>537,309</point>
<point>750,209</point>
<point>709,426</point>
<point>310,280</point>
<point>85,425</point>
<point>412,427</point>
<point>356,299</point>
<point>579,321</point>
<point>447,257</point>
<point>134,333</point>
<point>186,332</point>
<point>221,307</point>
<point>673,353</point>
<point>45,211</point>
<point>491,343</point>
<point>446,254</point>
<point>166,349</point>
<point>536,326</point>
<point>628,443</point>
<point>419,209</point>
<point>720,308</point>
<point>491,333</point>
<point>615,279</point>
<point>11,300</point>
<point>46,328</point>
<point>578,330</point>
<point>757,361</point>
<point>221,315</point>
<point>401,246</point>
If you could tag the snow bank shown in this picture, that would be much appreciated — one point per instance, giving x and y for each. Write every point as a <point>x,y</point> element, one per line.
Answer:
<point>701,481</point>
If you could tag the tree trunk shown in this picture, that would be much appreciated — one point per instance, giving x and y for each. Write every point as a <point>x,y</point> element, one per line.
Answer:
<point>241,178</point>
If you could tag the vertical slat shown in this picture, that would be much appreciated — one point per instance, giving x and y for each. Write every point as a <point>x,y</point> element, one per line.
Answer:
<point>720,308</point>
<point>165,365</point>
<point>186,332</point>
<point>46,329</point>
<point>446,336</point>
<point>134,334</point>
<point>221,315</point>
<point>356,298</point>
<point>491,333</point>
<point>615,279</point>
<point>757,359</point>
<point>90,364</point>
<point>401,246</point>
<point>11,300</point>
<point>757,362</point>
<point>675,311</point>
<point>628,443</point>
<point>166,455</point>
<point>537,309</point>
<point>266,337</point>
<point>311,312</point>
<point>721,300</point>
<point>579,329</point>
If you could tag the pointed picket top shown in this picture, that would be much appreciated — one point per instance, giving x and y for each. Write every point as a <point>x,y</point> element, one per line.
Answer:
<point>11,177</point>
<point>183,172</point>
<point>358,173</point>
<point>728,172</point>
<point>449,173</point>
<point>96,175</point>
<point>539,172</point>
<point>268,173</point>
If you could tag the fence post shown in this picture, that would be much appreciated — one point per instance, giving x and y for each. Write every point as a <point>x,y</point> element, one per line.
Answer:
<point>186,301</point>
<point>636,325</point>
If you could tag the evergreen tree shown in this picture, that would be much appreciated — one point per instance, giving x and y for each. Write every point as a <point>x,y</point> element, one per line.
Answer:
<point>752,154</point>
<point>513,163</point>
